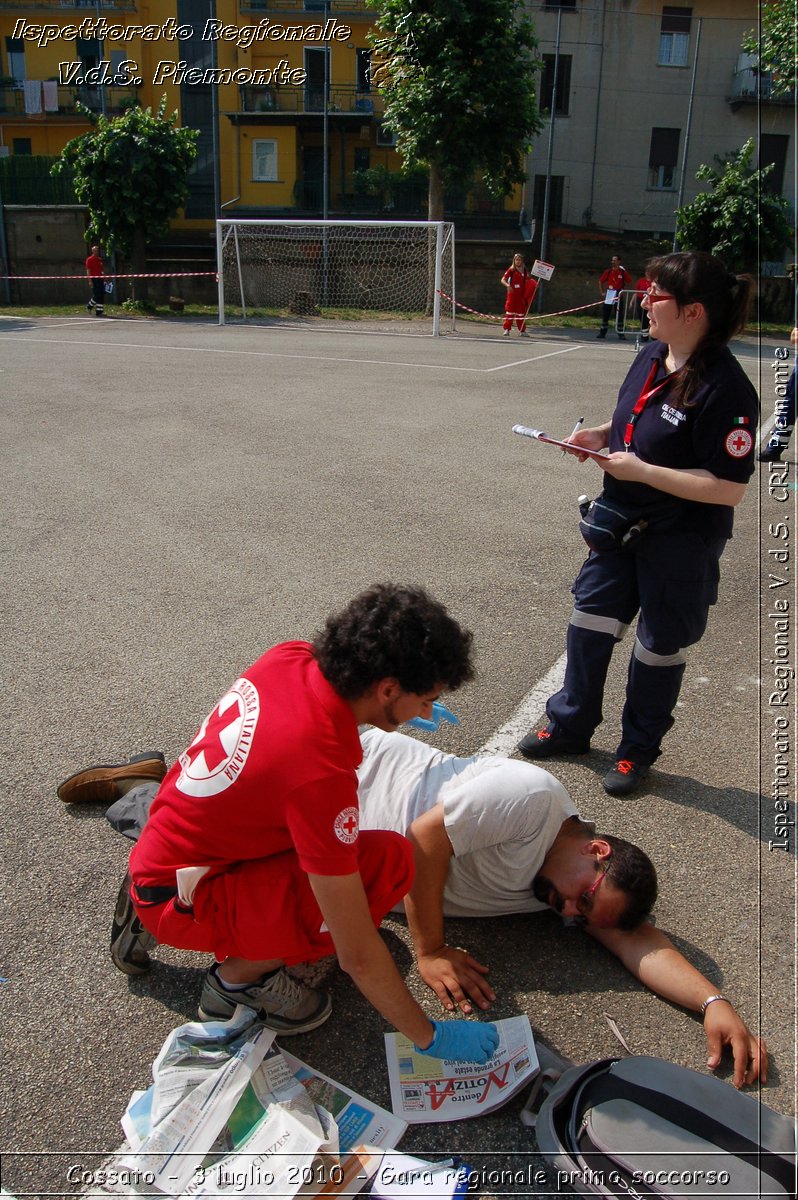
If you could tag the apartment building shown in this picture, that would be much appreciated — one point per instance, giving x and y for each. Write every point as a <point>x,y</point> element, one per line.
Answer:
<point>644,93</point>
<point>269,85</point>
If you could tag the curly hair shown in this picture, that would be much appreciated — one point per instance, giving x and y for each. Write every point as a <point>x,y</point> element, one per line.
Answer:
<point>632,872</point>
<point>394,632</point>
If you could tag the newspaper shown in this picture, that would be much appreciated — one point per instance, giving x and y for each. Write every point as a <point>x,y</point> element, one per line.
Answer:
<point>358,1120</point>
<point>229,1114</point>
<point>425,1089</point>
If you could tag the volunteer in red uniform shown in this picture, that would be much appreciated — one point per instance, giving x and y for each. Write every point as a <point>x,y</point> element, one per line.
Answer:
<point>521,288</point>
<point>252,850</point>
<point>94,270</point>
<point>611,284</point>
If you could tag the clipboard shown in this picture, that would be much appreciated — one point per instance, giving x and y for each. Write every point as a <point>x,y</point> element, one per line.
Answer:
<point>540,436</point>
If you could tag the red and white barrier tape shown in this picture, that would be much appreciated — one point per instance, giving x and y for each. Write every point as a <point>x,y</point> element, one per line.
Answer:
<point>143,275</point>
<point>564,312</point>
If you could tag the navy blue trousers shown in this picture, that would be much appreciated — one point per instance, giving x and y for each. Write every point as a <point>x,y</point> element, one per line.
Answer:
<point>671,580</point>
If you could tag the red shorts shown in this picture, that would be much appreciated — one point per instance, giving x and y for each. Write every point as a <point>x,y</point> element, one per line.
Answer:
<point>265,908</point>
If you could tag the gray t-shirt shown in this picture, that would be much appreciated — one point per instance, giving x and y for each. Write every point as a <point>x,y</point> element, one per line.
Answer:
<point>500,815</point>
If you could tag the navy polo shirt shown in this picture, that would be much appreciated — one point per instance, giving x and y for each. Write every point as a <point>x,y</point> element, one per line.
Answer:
<point>716,432</point>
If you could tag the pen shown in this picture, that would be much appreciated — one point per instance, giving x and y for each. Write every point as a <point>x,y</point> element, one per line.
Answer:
<point>576,429</point>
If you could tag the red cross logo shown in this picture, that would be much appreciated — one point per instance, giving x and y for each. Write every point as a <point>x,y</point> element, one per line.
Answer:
<point>739,442</point>
<point>219,752</point>
<point>346,826</point>
<point>209,742</point>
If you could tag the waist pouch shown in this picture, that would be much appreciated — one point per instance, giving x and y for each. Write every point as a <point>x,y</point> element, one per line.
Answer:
<point>606,524</point>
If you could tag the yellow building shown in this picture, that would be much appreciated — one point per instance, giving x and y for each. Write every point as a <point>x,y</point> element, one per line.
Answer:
<point>249,74</point>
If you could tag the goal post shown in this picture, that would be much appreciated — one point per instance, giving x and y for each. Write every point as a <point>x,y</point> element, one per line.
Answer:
<point>346,269</point>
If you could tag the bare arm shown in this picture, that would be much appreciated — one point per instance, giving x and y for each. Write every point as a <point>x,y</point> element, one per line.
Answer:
<point>363,954</point>
<point>688,484</point>
<point>654,960</point>
<point>454,976</point>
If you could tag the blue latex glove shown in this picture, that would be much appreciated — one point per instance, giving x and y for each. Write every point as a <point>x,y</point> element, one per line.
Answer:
<point>462,1041</point>
<point>439,713</point>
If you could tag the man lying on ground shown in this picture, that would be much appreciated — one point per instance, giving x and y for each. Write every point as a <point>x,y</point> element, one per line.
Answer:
<point>492,836</point>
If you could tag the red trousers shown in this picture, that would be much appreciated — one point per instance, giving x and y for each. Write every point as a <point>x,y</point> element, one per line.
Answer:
<point>265,908</point>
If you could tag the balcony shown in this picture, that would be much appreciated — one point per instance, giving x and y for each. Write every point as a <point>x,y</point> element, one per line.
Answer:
<point>58,6</point>
<point>333,8</point>
<point>117,100</point>
<point>344,100</point>
<point>751,86</point>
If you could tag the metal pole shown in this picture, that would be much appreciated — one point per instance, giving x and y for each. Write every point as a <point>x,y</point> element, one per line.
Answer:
<point>687,129</point>
<point>325,185</point>
<point>544,235</point>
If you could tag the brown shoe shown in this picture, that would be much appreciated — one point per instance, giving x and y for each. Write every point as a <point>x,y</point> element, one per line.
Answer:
<point>101,784</point>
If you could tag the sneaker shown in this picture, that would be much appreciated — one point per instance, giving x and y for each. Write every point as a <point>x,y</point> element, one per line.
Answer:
<point>624,778</point>
<point>100,784</point>
<point>770,454</point>
<point>130,941</point>
<point>548,742</point>
<point>282,1003</point>
<point>506,333</point>
<point>602,333</point>
<point>524,333</point>
<point>621,337</point>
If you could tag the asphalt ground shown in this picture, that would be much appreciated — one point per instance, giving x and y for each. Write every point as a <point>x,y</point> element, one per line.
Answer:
<point>179,497</point>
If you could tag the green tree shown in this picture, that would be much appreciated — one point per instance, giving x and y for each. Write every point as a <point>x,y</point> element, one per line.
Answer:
<point>775,44</point>
<point>459,81</point>
<point>737,219</point>
<point>132,174</point>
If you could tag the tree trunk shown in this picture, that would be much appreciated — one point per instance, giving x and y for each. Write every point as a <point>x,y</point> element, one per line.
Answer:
<point>138,265</point>
<point>435,201</point>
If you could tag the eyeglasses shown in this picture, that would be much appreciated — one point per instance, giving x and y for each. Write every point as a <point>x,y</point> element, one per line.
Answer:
<point>585,902</point>
<point>654,296</point>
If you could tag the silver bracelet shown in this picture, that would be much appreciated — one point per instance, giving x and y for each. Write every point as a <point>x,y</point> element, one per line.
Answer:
<point>711,1000</point>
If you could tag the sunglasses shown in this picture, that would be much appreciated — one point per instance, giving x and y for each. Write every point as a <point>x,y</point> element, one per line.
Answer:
<point>654,296</point>
<point>585,902</point>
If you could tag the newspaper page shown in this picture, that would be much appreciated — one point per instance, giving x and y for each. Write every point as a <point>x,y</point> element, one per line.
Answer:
<point>425,1089</point>
<point>277,1136</point>
<point>198,1107</point>
<point>358,1119</point>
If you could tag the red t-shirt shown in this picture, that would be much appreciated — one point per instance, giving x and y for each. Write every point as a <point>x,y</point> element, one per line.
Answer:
<point>94,265</point>
<point>615,278</point>
<point>271,769</point>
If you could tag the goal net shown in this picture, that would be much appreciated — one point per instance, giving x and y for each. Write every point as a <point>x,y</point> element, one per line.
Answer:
<point>346,269</point>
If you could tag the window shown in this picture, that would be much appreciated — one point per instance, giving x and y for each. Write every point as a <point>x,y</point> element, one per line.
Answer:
<point>264,160</point>
<point>15,56</point>
<point>560,4</point>
<point>362,158</point>
<point>773,149</point>
<point>662,158</point>
<point>22,145</point>
<point>363,70</point>
<point>556,192</point>
<point>562,99</point>
<point>674,36</point>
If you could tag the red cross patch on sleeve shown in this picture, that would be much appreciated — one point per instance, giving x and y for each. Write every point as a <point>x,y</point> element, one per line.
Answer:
<point>739,442</point>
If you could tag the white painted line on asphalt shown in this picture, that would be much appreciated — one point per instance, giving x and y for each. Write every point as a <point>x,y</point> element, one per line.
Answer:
<point>528,713</point>
<point>520,362</point>
<point>371,362</point>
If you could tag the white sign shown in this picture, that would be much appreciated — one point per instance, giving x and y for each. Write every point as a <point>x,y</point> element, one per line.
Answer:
<point>542,270</point>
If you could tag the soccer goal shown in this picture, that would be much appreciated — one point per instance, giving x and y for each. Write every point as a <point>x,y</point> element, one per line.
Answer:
<point>346,269</point>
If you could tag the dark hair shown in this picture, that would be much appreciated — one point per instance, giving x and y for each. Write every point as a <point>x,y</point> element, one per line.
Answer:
<point>632,872</point>
<point>394,632</point>
<point>693,276</point>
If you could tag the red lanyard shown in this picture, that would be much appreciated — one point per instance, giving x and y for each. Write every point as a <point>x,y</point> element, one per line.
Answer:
<point>641,402</point>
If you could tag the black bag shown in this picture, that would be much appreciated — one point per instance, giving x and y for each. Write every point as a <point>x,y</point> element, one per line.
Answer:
<point>606,524</point>
<point>640,1126</point>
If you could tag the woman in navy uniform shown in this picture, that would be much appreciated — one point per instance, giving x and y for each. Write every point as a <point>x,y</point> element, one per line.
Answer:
<point>680,445</point>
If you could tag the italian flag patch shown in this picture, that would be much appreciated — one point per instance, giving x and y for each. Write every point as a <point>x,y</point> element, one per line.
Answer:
<point>740,421</point>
